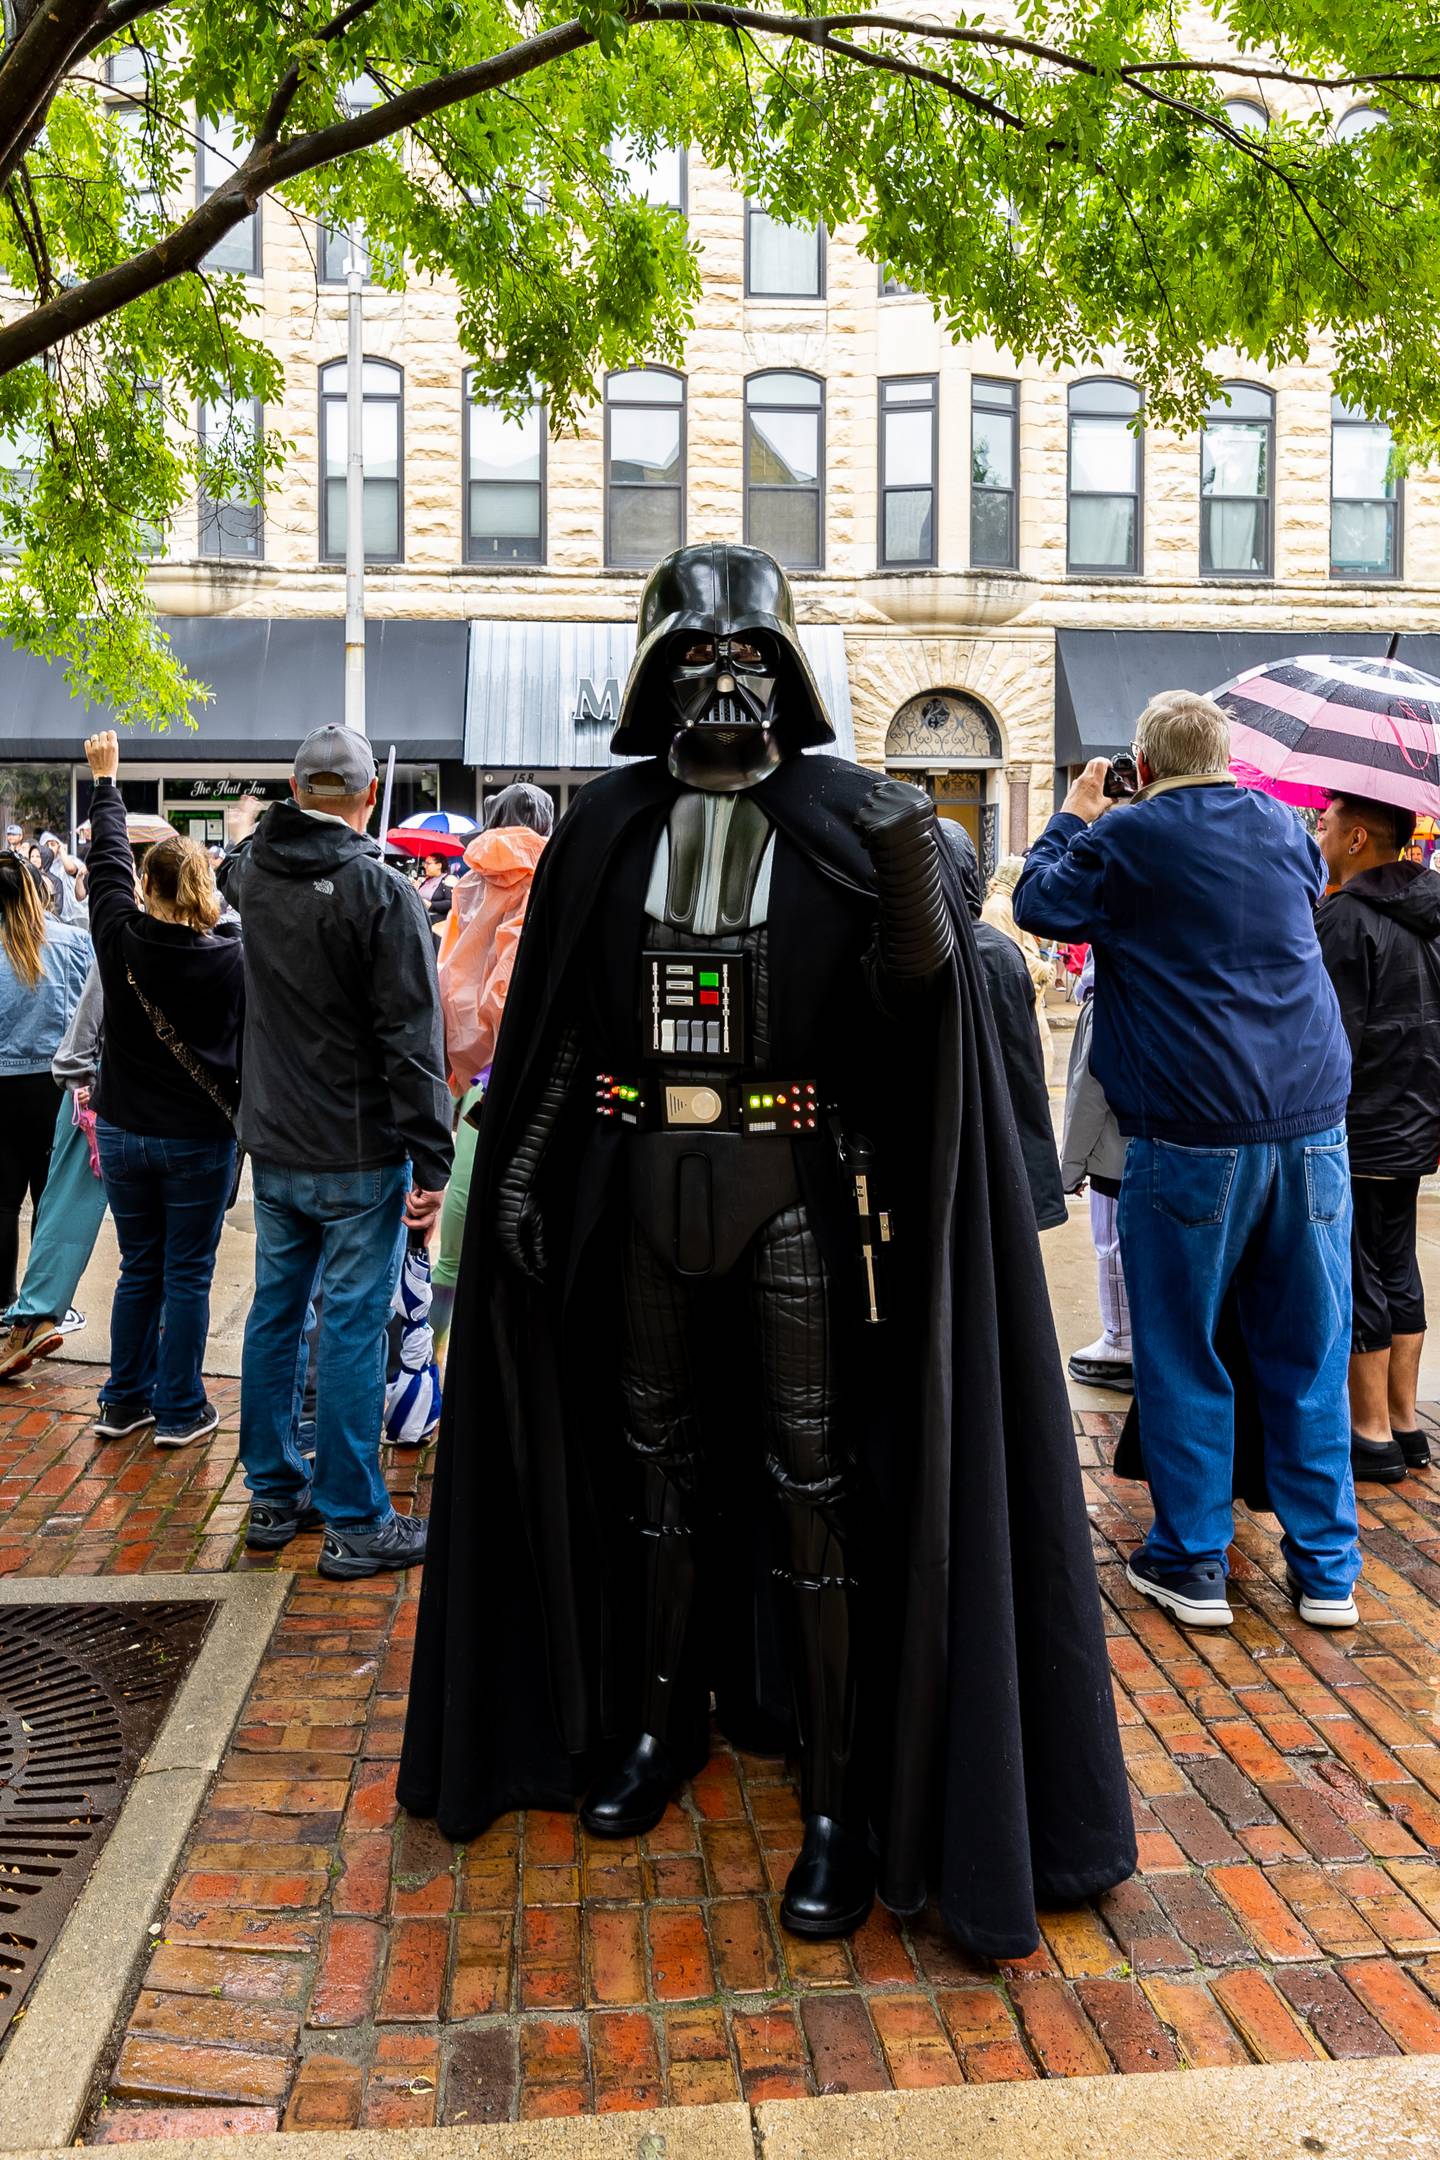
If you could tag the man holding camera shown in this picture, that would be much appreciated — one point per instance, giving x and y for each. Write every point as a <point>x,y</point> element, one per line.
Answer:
<point>1218,1043</point>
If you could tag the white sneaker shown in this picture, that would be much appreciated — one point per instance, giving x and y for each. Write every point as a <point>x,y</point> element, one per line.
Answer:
<point>1102,1352</point>
<point>1322,1612</point>
<point>72,1321</point>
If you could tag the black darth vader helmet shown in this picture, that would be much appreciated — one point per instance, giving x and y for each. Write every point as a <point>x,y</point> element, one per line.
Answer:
<point>717,647</point>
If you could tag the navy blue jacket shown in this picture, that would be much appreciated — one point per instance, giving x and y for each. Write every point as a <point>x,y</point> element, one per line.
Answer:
<point>1215,1021</point>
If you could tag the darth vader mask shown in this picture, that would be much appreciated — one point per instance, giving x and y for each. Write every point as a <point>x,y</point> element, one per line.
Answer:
<point>724,689</point>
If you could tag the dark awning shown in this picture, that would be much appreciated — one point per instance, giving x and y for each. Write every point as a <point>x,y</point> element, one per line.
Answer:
<point>1104,679</point>
<point>272,682</point>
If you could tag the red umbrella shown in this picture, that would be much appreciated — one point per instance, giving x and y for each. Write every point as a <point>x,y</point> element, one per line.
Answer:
<point>433,832</point>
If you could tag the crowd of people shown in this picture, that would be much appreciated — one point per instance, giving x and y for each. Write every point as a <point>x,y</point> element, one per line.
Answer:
<point>284,1005</point>
<point>1252,1100</point>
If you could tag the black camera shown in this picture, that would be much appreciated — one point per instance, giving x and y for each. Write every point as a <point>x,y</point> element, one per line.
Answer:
<point>1122,780</point>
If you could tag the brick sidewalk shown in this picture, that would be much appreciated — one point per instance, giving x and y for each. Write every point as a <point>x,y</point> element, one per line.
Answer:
<point>325,1963</point>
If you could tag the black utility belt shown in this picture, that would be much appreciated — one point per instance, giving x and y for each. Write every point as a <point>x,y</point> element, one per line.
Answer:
<point>760,1109</point>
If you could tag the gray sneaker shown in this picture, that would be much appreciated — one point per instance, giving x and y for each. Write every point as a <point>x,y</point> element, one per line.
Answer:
<point>273,1523</point>
<point>398,1543</point>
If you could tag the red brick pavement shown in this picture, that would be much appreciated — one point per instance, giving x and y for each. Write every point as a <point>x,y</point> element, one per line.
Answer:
<point>326,1962</point>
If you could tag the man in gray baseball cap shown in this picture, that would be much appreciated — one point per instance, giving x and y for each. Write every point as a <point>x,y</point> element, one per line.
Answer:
<point>346,1117</point>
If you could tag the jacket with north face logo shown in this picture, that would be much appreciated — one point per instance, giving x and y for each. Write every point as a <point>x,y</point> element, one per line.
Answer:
<point>344,1057</point>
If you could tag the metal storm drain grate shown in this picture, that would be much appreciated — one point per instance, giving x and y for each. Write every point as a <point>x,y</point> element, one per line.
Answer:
<point>83,1692</point>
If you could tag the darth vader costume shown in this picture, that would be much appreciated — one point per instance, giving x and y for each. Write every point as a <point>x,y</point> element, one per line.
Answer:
<point>753,1394</point>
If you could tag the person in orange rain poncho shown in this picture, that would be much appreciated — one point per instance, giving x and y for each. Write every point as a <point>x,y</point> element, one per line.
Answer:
<point>477,957</point>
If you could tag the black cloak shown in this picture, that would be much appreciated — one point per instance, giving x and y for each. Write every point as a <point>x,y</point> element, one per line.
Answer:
<point>988,1732</point>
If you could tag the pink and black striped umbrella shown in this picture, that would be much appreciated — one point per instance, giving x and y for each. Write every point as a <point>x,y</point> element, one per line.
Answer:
<point>1315,726</point>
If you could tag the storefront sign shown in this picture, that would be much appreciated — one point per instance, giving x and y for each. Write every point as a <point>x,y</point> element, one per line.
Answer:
<point>188,790</point>
<point>594,708</point>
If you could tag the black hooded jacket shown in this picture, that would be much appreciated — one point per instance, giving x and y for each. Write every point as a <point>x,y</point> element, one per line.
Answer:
<point>344,1049</point>
<point>1380,937</point>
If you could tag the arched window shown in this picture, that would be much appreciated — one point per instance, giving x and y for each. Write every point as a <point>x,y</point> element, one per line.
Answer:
<point>1358,121</point>
<point>644,466</point>
<point>1246,115</point>
<point>382,453</point>
<point>1237,464</point>
<point>785,467</point>
<point>504,483</point>
<point>1105,479</point>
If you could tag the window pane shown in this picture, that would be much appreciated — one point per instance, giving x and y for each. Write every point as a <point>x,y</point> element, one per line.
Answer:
<point>992,450</point>
<point>1245,116</point>
<point>1233,460</point>
<point>381,503</point>
<point>992,531</point>
<point>644,524</point>
<point>126,67</point>
<point>909,449</point>
<point>1359,457</point>
<point>235,250</point>
<point>1102,532</point>
<point>645,387</point>
<point>645,446</point>
<point>1362,539</point>
<point>1102,458</point>
<point>1238,401</point>
<point>660,182</point>
<point>504,521</point>
<point>1104,397</point>
<point>985,392</point>
<point>1235,538</point>
<point>785,448</point>
<point>786,524</point>
<point>1358,121</point>
<point>909,525</point>
<point>335,246</point>
<point>919,392</point>
<point>502,449</point>
<point>782,390</point>
<point>783,258</point>
<point>380,441</point>
<point>336,436</point>
<point>332,538</point>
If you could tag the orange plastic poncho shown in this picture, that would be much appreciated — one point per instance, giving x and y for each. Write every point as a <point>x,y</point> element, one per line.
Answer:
<point>477,951</point>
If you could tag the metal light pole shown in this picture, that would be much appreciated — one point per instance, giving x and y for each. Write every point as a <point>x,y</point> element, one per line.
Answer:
<point>355,491</point>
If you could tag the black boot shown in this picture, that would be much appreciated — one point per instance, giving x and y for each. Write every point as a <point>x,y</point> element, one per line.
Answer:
<point>632,1799</point>
<point>832,1884</point>
<point>636,1793</point>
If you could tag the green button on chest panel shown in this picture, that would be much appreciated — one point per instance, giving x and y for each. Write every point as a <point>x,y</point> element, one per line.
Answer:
<point>694,1006</point>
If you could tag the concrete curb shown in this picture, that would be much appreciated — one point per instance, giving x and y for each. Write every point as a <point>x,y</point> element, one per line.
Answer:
<point>56,2047</point>
<point>1385,2110</point>
<point>1373,2110</point>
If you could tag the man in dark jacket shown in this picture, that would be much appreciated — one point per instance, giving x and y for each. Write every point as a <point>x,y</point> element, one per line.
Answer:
<point>345,1115</point>
<point>1011,996</point>
<point>1380,935</point>
<point>1218,1045</point>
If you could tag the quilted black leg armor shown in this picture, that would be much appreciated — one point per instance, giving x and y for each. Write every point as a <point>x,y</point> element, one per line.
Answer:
<point>814,1475</point>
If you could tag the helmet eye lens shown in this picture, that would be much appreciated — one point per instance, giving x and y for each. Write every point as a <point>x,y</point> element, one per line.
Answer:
<point>698,652</point>
<point>746,654</point>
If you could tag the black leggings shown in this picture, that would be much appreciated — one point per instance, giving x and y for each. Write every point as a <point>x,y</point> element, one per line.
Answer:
<point>27,1126</point>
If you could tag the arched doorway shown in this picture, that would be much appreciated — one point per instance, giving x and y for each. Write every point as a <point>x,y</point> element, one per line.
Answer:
<point>947,742</point>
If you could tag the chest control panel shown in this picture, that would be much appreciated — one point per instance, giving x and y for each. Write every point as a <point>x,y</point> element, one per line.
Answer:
<point>694,1006</point>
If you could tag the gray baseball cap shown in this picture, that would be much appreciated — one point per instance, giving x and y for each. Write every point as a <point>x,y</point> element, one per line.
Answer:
<point>334,761</point>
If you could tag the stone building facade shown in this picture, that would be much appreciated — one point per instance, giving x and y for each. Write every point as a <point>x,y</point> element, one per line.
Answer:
<point>964,676</point>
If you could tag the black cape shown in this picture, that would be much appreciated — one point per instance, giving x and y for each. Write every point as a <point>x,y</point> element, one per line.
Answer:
<point>988,1728</point>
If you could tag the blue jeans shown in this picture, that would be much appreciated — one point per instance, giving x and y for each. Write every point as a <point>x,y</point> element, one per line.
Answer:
<point>168,1200</point>
<point>348,1223</point>
<point>67,1223</point>
<point>1270,1220</point>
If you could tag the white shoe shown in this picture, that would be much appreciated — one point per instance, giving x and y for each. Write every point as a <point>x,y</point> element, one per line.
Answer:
<point>1102,1352</point>
<point>1322,1612</point>
<point>72,1321</point>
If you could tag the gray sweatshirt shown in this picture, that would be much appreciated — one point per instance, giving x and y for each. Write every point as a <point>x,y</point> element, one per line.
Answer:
<point>73,1064</point>
<point>1093,1145</point>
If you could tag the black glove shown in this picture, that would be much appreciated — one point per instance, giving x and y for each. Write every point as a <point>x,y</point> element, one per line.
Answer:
<point>897,824</point>
<point>519,1224</point>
